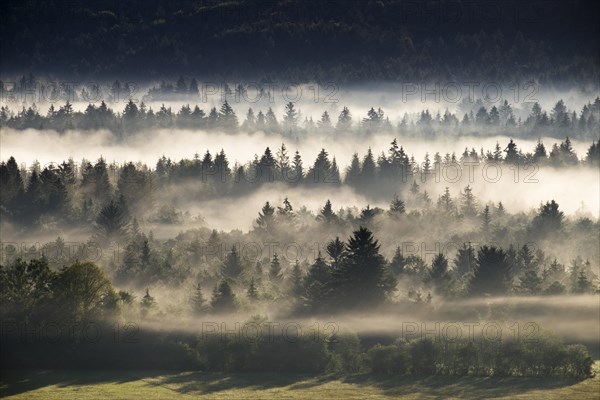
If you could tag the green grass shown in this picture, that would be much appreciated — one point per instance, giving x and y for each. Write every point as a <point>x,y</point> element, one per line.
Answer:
<point>148,385</point>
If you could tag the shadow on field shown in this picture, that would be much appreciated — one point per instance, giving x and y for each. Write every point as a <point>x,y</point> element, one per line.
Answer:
<point>20,381</point>
<point>447,386</point>
<point>473,387</point>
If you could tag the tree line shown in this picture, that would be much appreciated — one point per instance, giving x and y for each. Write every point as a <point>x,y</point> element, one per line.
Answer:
<point>474,117</point>
<point>80,191</point>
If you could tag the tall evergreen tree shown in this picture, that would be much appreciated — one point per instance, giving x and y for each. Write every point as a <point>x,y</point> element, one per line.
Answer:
<point>363,280</point>
<point>223,298</point>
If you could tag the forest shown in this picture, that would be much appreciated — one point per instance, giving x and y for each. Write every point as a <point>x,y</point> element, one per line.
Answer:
<point>318,41</point>
<point>417,255</point>
<point>299,199</point>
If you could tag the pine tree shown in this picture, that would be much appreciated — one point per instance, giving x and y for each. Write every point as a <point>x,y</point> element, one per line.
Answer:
<point>316,284</point>
<point>530,282</point>
<point>512,154</point>
<point>148,304</point>
<point>445,203</point>
<point>198,301</point>
<point>344,123</point>
<point>439,275</point>
<point>353,171</point>
<point>275,269</point>
<point>290,119</point>
<point>469,205</point>
<point>227,118</point>
<point>465,261</point>
<point>282,168</point>
<point>540,152</point>
<point>486,221</point>
<point>321,171</point>
<point>232,266</point>
<point>336,249</point>
<point>583,284</point>
<point>252,292</point>
<point>112,224</point>
<point>223,298</point>
<point>398,262</point>
<point>492,273</point>
<point>266,219</point>
<point>296,280</point>
<point>298,169</point>
<point>326,214</point>
<point>363,280</point>
<point>286,213</point>
<point>397,206</point>
<point>368,170</point>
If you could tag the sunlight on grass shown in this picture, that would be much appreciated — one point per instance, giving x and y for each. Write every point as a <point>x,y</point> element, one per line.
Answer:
<point>149,385</point>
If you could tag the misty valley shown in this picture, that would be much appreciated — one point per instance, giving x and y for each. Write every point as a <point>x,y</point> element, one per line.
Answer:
<point>280,200</point>
<point>388,263</point>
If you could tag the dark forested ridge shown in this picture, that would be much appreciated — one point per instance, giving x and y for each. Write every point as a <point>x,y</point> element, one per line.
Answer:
<point>343,41</point>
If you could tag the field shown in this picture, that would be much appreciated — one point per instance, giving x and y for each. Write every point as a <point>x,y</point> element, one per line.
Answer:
<point>49,385</point>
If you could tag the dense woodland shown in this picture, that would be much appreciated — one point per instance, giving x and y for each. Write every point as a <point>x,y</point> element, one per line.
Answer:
<point>121,266</point>
<point>550,42</point>
<point>498,252</point>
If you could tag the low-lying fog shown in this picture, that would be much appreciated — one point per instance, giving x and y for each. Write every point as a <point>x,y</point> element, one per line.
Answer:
<point>575,189</point>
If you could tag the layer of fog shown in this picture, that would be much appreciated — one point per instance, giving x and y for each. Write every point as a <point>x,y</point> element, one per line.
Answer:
<point>573,318</point>
<point>575,189</point>
<point>395,98</point>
